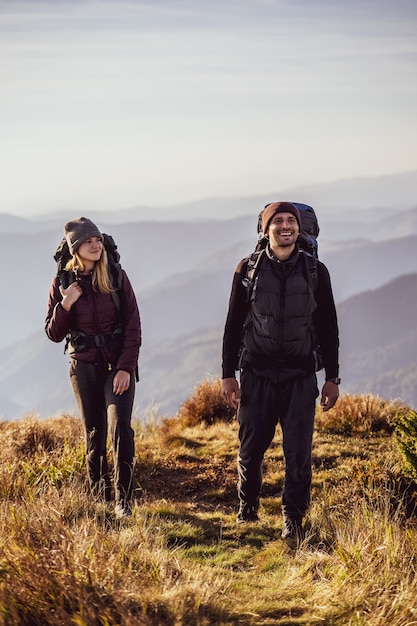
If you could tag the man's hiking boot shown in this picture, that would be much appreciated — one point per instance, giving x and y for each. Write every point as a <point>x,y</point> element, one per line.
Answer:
<point>292,532</point>
<point>122,510</point>
<point>247,514</point>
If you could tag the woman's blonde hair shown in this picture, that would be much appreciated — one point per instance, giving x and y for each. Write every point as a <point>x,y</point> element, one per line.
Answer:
<point>100,276</point>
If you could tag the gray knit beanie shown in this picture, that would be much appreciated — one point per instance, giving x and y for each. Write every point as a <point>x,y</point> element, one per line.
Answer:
<point>79,230</point>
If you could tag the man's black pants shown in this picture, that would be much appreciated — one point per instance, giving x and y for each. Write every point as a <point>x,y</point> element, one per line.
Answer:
<point>100,408</point>
<point>263,404</point>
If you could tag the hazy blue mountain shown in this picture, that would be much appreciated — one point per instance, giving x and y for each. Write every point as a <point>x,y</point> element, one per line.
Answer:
<point>182,272</point>
<point>378,355</point>
<point>34,375</point>
<point>373,225</point>
<point>379,333</point>
<point>175,266</point>
<point>378,336</point>
<point>151,253</point>
<point>15,224</point>
<point>363,265</point>
<point>198,298</point>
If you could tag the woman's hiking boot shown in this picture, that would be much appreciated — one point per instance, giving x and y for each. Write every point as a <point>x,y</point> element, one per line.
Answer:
<point>122,509</point>
<point>247,514</point>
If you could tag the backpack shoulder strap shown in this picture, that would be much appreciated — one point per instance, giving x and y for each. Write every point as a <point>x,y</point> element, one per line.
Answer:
<point>65,278</point>
<point>252,267</point>
<point>116,299</point>
<point>310,263</point>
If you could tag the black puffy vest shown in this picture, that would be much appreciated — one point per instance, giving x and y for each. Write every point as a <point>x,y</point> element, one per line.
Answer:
<point>279,330</point>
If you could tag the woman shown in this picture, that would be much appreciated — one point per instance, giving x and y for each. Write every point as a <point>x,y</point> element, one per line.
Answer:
<point>104,341</point>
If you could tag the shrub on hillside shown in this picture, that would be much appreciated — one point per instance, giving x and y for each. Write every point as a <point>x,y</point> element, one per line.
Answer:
<point>205,406</point>
<point>358,415</point>
<point>30,436</point>
<point>406,439</point>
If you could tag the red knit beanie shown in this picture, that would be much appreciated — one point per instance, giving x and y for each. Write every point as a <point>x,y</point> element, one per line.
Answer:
<point>278,207</point>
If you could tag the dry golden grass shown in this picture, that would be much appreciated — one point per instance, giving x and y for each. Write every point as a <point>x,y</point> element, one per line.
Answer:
<point>181,559</point>
<point>205,406</point>
<point>359,414</point>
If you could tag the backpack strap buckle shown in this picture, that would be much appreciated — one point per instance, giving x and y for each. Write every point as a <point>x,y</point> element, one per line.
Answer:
<point>100,340</point>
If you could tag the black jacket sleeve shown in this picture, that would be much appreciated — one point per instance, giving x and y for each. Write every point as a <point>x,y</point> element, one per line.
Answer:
<point>233,330</point>
<point>325,320</point>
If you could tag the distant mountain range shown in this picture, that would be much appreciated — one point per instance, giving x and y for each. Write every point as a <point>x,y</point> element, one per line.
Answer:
<point>356,198</point>
<point>186,268</point>
<point>379,339</point>
<point>378,355</point>
<point>182,273</point>
<point>378,335</point>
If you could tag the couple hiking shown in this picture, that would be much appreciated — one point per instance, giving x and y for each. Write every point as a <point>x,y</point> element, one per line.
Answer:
<point>274,325</point>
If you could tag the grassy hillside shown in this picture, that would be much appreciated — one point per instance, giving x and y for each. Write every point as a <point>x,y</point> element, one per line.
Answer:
<point>181,559</point>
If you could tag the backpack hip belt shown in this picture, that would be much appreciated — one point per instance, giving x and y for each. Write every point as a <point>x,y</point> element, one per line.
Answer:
<point>78,341</point>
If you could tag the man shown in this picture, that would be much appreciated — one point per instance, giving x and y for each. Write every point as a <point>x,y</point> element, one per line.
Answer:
<point>271,335</point>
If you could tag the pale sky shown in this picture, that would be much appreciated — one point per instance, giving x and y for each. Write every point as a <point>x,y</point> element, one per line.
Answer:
<point>114,104</point>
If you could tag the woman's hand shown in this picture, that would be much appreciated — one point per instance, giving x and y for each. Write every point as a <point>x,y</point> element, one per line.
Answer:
<point>70,295</point>
<point>121,382</point>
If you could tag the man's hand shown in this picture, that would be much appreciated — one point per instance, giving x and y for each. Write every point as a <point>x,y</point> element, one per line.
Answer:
<point>329,395</point>
<point>231,392</point>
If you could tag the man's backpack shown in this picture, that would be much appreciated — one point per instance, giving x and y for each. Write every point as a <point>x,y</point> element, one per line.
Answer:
<point>307,241</point>
<point>62,256</point>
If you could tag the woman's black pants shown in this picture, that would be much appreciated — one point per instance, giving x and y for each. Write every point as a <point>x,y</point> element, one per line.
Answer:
<point>100,408</point>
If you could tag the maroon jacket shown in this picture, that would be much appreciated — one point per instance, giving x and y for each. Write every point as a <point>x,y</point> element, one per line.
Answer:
<point>95,314</point>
